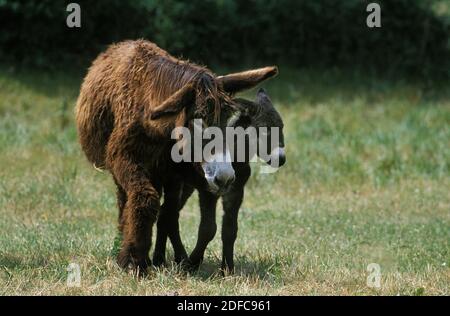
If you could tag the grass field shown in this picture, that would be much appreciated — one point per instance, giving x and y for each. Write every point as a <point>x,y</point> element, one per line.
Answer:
<point>367,180</point>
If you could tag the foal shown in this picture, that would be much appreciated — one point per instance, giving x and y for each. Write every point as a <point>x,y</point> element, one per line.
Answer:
<point>257,114</point>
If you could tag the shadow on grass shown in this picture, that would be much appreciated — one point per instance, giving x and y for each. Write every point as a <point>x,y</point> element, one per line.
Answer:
<point>210,269</point>
<point>11,262</point>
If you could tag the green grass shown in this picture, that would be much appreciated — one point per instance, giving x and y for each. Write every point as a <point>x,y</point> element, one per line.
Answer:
<point>366,181</point>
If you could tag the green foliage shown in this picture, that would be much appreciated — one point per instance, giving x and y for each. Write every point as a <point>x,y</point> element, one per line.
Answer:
<point>34,32</point>
<point>413,38</point>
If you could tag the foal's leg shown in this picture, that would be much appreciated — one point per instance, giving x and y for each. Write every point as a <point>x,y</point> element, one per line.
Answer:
<point>207,229</point>
<point>159,254</point>
<point>168,209</point>
<point>232,201</point>
<point>180,253</point>
<point>175,196</point>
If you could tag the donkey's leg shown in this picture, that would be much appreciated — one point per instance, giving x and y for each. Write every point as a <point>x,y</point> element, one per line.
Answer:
<point>232,201</point>
<point>207,228</point>
<point>121,201</point>
<point>139,213</point>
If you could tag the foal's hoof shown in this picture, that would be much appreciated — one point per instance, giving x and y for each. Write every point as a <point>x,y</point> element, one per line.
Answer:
<point>226,270</point>
<point>135,264</point>
<point>184,266</point>
<point>191,265</point>
<point>159,261</point>
<point>181,260</point>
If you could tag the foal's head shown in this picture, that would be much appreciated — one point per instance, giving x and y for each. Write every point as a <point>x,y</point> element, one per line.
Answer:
<point>266,121</point>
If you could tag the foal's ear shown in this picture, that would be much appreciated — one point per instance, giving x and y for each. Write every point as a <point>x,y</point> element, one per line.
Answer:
<point>240,118</point>
<point>176,102</point>
<point>240,81</point>
<point>262,97</point>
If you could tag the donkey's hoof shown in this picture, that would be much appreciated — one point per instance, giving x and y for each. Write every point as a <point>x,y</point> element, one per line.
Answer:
<point>134,264</point>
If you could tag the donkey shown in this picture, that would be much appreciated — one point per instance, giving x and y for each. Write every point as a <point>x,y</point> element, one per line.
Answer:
<point>257,114</point>
<point>131,99</point>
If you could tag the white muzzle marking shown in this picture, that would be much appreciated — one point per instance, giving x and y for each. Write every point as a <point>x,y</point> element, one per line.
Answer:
<point>219,172</point>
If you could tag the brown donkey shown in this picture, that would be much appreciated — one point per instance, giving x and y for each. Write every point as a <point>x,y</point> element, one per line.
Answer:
<point>132,98</point>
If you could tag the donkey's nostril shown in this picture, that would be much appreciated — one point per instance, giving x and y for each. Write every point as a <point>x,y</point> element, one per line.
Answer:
<point>282,160</point>
<point>223,182</point>
<point>220,182</point>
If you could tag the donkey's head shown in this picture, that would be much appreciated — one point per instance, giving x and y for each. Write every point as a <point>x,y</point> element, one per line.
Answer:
<point>208,98</point>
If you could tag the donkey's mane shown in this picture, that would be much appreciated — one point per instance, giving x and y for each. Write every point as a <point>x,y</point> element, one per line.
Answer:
<point>165,74</point>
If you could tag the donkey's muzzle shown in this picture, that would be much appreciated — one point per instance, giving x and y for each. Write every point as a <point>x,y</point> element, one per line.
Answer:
<point>219,176</point>
<point>224,182</point>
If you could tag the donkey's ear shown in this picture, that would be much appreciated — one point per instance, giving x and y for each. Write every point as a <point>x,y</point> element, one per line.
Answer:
<point>176,102</point>
<point>239,118</point>
<point>240,81</point>
<point>262,97</point>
